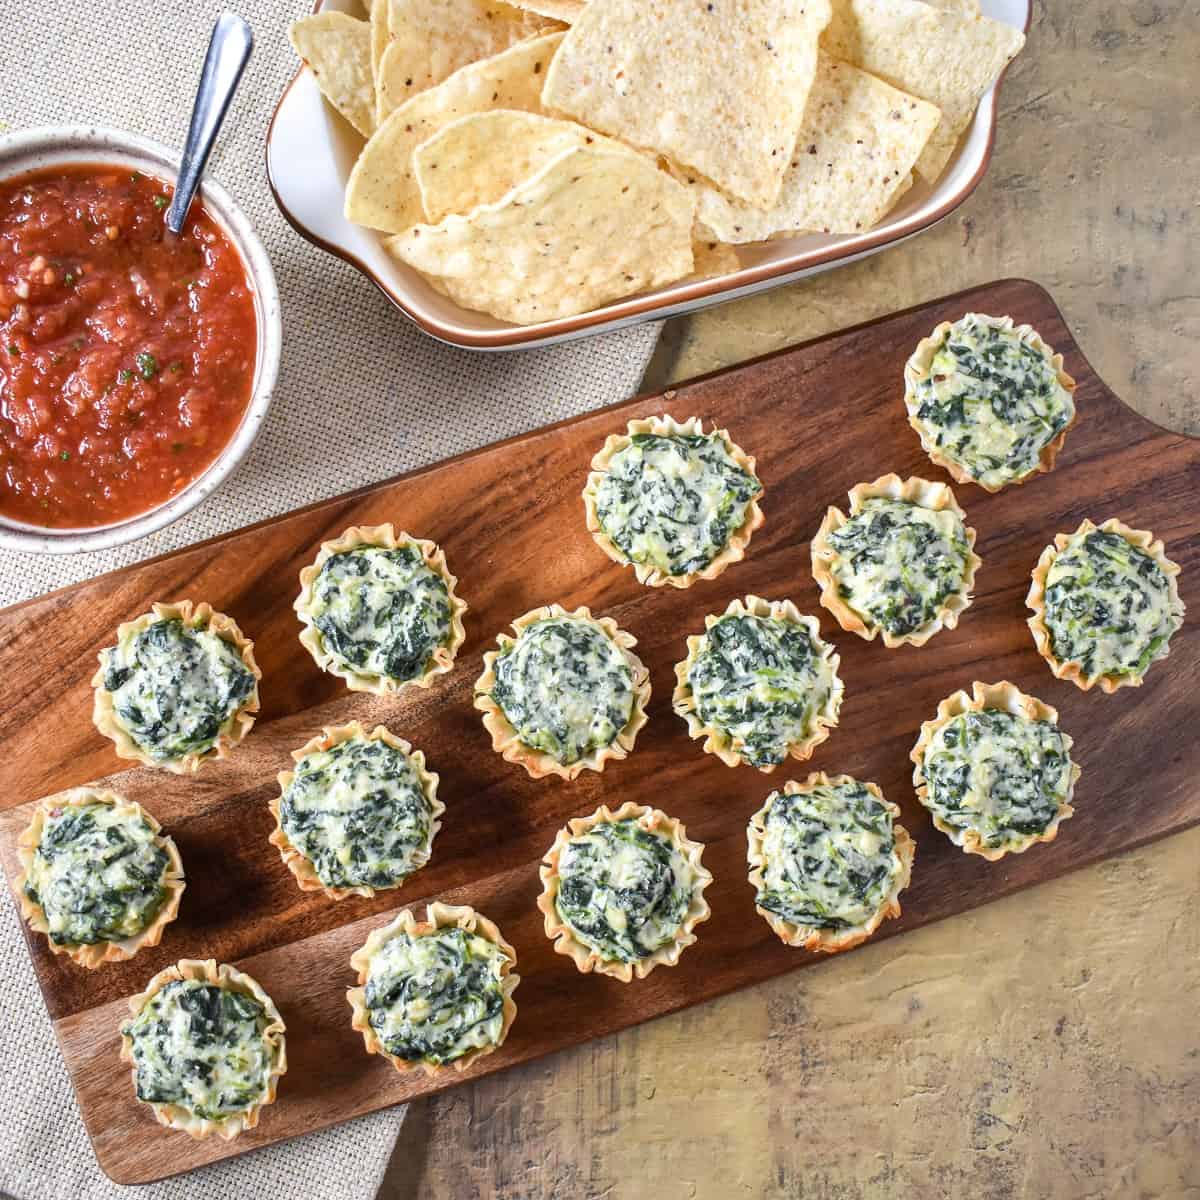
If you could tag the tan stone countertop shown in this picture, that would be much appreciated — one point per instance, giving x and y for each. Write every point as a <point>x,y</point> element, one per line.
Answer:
<point>1047,1045</point>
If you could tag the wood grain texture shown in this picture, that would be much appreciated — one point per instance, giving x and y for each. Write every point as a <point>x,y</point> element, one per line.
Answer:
<point>819,418</point>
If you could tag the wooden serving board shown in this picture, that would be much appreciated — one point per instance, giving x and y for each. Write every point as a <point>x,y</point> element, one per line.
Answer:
<point>820,418</point>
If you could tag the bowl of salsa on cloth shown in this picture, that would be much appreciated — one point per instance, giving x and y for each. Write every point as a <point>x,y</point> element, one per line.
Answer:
<point>135,366</point>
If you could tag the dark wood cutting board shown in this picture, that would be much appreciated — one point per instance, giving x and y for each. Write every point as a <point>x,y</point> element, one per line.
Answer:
<point>820,418</point>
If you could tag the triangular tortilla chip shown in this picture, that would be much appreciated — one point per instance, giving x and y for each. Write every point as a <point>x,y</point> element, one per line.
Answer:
<point>481,157</point>
<point>382,190</point>
<point>948,58</point>
<point>566,11</point>
<point>717,86</point>
<point>431,39</point>
<point>593,225</point>
<point>336,48</point>
<point>856,147</point>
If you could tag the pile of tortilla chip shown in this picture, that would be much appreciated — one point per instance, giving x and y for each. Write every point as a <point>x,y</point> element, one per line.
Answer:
<point>542,158</point>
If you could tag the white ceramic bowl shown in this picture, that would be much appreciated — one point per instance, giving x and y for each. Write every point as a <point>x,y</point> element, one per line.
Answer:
<point>61,144</point>
<point>311,151</point>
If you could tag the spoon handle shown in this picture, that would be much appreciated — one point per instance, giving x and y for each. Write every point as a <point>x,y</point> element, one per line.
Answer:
<point>228,52</point>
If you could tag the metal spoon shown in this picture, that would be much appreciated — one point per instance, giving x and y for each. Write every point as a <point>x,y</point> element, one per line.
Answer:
<point>228,52</point>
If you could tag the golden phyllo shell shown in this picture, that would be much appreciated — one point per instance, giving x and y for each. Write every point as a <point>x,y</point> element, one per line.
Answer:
<point>441,656</point>
<point>686,855</point>
<point>95,954</point>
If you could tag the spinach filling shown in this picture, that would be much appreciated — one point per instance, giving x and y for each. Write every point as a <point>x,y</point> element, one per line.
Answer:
<point>830,856</point>
<point>359,813</point>
<point>897,563</point>
<point>991,402</point>
<point>175,688</point>
<point>623,891</point>
<point>1108,606</point>
<point>673,501</point>
<point>436,997</point>
<point>998,774</point>
<point>201,1047</point>
<point>565,687</point>
<point>381,611</point>
<point>762,682</point>
<point>97,874</point>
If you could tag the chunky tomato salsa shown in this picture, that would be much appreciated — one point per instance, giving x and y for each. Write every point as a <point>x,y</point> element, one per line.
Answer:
<point>126,354</point>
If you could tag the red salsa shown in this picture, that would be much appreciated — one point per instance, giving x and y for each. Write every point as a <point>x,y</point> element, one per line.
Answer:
<point>126,354</point>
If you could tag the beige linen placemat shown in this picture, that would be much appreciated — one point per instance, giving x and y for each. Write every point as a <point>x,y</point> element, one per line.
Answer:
<point>362,395</point>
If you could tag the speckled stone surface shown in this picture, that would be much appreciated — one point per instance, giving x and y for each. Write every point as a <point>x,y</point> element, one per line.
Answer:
<point>1049,1044</point>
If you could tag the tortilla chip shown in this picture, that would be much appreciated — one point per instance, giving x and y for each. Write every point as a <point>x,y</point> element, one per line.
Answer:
<point>945,57</point>
<point>566,11</point>
<point>481,157</point>
<point>382,190</point>
<point>593,225</point>
<point>431,39</point>
<point>969,8</point>
<point>718,86</point>
<point>379,41</point>
<point>856,147</point>
<point>710,259</point>
<point>336,48</point>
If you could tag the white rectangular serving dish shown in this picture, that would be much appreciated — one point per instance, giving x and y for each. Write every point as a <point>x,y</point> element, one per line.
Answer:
<point>311,150</point>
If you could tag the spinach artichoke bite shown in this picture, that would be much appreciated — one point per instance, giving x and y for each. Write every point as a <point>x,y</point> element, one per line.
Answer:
<point>828,861</point>
<point>901,565</point>
<point>1105,602</point>
<point>994,770</point>
<point>989,400</point>
<point>565,694</point>
<point>357,814</point>
<point>379,610</point>
<point>179,688</point>
<point>437,993</point>
<point>675,503</point>
<point>207,1048</point>
<point>759,685</point>
<point>98,876</point>
<point>622,892</point>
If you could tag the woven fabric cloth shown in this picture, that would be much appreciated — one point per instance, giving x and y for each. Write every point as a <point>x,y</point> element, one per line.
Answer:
<point>362,395</point>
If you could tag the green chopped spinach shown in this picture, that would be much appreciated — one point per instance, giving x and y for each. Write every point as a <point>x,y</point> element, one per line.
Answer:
<point>1108,606</point>
<point>830,856</point>
<point>897,563</point>
<point>201,1047</point>
<point>381,611</point>
<point>991,402</point>
<point>565,687</point>
<point>435,997</point>
<point>175,688</point>
<point>359,813</point>
<point>623,890</point>
<point>97,873</point>
<point>673,501</point>
<point>762,682</point>
<point>997,773</point>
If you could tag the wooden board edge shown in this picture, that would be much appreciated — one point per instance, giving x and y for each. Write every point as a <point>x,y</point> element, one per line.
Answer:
<point>351,497</point>
<point>433,1085</point>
